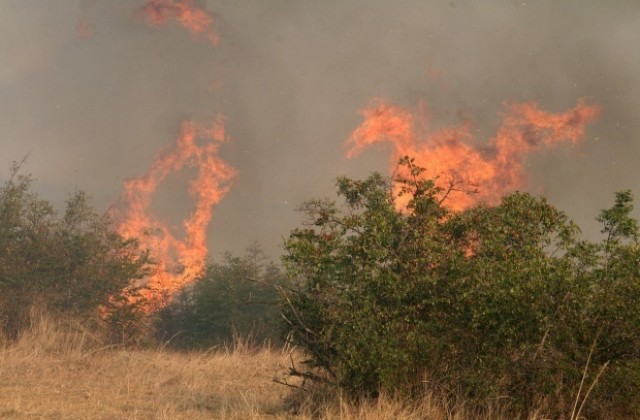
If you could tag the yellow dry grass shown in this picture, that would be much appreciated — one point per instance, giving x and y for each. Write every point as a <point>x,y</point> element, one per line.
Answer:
<point>53,373</point>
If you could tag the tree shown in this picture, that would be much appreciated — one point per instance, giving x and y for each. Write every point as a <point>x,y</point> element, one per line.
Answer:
<point>234,297</point>
<point>486,303</point>
<point>25,224</point>
<point>74,264</point>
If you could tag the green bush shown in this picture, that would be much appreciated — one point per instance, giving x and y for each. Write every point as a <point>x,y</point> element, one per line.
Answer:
<point>233,298</point>
<point>72,264</point>
<point>492,302</point>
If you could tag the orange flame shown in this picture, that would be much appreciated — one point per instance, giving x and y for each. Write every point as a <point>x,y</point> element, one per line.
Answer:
<point>179,260</point>
<point>195,19</point>
<point>453,155</point>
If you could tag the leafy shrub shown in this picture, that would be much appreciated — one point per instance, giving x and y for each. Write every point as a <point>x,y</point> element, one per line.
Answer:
<point>492,302</point>
<point>73,265</point>
<point>234,297</point>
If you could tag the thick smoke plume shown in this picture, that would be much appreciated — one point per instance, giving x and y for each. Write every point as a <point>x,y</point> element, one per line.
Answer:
<point>291,76</point>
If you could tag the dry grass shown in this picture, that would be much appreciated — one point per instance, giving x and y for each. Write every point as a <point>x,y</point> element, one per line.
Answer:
<point>55,374</point>
<point>51,373</point>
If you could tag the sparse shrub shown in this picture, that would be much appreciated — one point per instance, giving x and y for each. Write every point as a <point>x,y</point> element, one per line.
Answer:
<point>492,302</point>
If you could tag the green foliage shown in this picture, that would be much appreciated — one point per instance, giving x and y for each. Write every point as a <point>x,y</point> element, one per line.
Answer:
<point>235,297</point>
<point>493,302</point>
<point>72,264</point>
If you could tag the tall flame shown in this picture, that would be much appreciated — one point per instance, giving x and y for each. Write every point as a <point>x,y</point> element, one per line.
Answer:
<point>179,260</point>
<point>454,155</point>
<point>195,19</point>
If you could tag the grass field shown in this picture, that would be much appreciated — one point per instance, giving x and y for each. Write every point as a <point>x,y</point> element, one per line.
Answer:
<point>54,373</point>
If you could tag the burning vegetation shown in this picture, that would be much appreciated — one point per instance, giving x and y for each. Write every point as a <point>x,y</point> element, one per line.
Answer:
<point>454,282</point>
<point>460,162</point>
<point>187,14</point>
<point>179,260</point>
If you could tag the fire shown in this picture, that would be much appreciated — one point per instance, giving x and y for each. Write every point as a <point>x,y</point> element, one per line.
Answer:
<point>179,260</point>
<point>454,157</point>
<point>197,20</point>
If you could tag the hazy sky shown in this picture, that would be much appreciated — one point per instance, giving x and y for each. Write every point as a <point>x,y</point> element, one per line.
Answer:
<point>290,75</point>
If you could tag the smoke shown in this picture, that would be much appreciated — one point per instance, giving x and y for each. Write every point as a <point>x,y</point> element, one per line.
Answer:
<point>291,77</point>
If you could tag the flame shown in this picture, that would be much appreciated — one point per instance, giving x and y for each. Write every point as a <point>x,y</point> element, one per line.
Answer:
<point>453,157</point>
<point>197,20</point>
<point>179,260</point>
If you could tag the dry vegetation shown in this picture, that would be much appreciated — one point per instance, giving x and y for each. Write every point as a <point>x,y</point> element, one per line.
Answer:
<point>62,373</point>
<point>51,374</point>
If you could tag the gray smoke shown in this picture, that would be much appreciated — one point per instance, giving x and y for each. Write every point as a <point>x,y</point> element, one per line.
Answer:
<point>290,75</point>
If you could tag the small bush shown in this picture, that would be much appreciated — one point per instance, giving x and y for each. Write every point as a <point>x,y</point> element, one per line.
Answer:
<point>232,298</point>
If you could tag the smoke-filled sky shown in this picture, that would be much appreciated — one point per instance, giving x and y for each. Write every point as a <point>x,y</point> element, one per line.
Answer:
<point>92,91</point>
